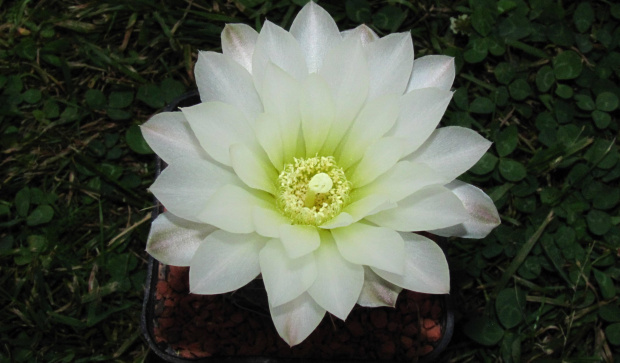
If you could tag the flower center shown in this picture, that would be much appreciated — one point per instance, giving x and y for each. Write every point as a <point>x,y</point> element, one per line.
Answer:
<point>312,191</point>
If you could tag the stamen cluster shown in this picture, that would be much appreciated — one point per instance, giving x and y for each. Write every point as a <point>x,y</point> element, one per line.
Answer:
<point>293,188</point>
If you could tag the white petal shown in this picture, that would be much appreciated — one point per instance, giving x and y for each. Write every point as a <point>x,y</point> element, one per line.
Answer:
<point>375,119</point>
<point>341,220</point>
<point>171,137</point>
<point>230,209</point>
<point>280,96</point>
<point>299,240</point>
<point>316,32</point>
<point>379,158</point>
<point>218,125</point>
<point>173,240</point>
<point>426,268</point>
<point>276,45</point>
<point>317,113</point>
<point>359,209</point>
<point>253,167</point>
<point>346,71</point>
<point>432,71</point>
<point>420,113</point>
<point>225,262</point>
<point>364,244</point>
<point>390,60</point>
<point>362,32</point>
<point>483,216</point>
<point>430,208</point>
<point>338,282</point>
<point>220,78</point>
<point>451,151</point>
<point>238,41</point>
<point>186,185</point>
<point>267,221</point>
<point>269,137</point>
<point>368,205</point>
<point>402,180</point>
<point>377,292</point>
<point>295,320</point>
<point>285,278</point>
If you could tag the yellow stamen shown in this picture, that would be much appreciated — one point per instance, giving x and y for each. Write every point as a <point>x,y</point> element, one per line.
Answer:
<point>312,191</point>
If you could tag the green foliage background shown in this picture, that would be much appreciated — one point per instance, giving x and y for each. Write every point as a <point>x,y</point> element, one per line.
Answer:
<point>539,78</point>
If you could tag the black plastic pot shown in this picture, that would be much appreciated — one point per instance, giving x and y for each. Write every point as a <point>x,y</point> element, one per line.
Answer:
<point>251,297</point>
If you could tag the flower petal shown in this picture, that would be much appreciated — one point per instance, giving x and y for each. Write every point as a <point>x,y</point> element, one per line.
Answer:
<point>171,137</point>
<point>377,292</point>
<point>368,205</point>
<point>285,278</point>
<point>430,208</point>
<point>317,113</point>
<point>483,216</point>
<point>255,171</point>
<point>451,151</point>
<point>426,268</point>
<point>359,209</point>
<point>346,71</point>
<point>316,32</point>
<point>220,78</point>
<point>341,220</point>
<point>379,158</point>
<point>420,112</point>
<point>173,240</point>
<point>375,119</point>
<point>280,96</point>
<point>362,32</point>
<point>269,137</point>
<point>390,60</point>
<point>267,221</point>
<point>364,244</point>
<point>299,240</point>
<point>230,209</point>
<point>432,71</point>
<point>218,125</point>
<point>225,262</point>
<point>296,319</point>
<point>338,282</point>
<point>238,41</point>
<point>402,180</point>
<point>186,185</point>
<point>276,45</point>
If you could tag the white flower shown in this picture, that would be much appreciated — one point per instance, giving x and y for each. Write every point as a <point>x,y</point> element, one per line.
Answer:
<point>311,158</point>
